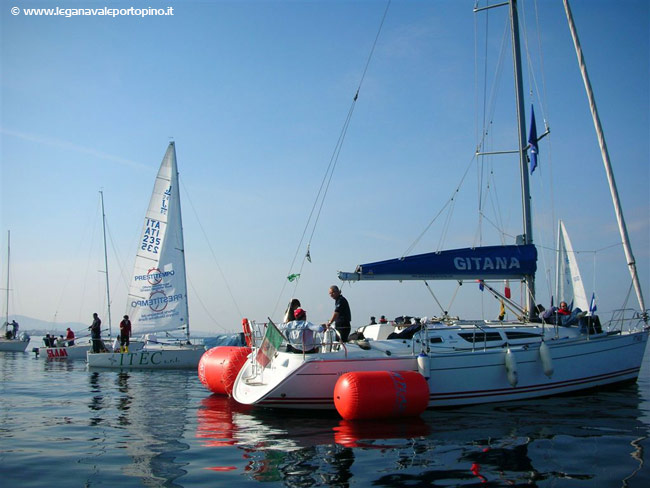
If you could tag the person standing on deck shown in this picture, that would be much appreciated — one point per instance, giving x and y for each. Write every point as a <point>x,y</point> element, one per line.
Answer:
<point>125,334</point>
<point>69,336</point>
<point>342,315</point>
<point>96,333</point>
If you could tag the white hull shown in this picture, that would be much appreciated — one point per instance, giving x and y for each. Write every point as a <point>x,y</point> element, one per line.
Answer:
<point>70,352</point>
<point>78,351</point>
<point>456,377</point>
<point>160,357</point>
<point>13,345</point>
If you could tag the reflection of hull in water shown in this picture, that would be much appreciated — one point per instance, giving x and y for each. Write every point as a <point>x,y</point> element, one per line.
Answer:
<point>159,357</point>
<point>516,443</point>
<point>153,422</point>
<point>224,422</point>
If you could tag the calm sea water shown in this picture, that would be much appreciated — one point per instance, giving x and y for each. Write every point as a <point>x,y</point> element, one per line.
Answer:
<point>62,425</point>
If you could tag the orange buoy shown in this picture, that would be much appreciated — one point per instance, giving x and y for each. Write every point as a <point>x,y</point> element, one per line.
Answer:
<point>219,366</point>
<point>248,334</point>
<point>381,394</point>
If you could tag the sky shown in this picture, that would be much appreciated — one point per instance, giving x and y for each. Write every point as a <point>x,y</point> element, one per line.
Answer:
<point>256,95</point>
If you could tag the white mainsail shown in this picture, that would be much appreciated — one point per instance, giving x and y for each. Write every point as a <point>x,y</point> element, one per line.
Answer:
<point>157,300</point>
<point>569,285</point>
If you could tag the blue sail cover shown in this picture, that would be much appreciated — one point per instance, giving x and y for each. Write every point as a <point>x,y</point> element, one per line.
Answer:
<point>479,263</point>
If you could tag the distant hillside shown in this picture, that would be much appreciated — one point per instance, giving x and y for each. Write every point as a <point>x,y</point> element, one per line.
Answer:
<point>35,327</point>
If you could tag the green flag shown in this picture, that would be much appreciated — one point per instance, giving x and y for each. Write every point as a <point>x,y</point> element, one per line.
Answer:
<point>293,277</point>
<point>272,340</point>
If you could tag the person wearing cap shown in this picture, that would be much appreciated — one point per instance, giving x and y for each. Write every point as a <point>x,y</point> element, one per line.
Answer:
<point>125,334</point>
<point>300,334</point>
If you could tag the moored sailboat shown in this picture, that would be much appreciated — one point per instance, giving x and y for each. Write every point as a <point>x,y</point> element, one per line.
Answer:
<point>464,361</point>
<point>10,340</point>
<point>157,299</point>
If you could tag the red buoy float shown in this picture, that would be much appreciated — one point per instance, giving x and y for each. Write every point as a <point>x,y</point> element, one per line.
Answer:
<point>381,394</point>
<point>219,366</point>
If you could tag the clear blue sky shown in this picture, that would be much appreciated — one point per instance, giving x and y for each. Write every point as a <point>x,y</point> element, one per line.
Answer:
<point>255,94</point>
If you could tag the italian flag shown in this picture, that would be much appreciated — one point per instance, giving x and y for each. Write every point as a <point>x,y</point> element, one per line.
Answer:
<point>272,340</point>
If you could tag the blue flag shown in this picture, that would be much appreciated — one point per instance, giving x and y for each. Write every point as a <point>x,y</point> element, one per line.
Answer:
<point>532,140</point>
<point>592,304</point>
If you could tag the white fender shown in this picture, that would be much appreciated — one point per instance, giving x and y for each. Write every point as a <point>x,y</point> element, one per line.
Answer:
<point>547,360</point>
<point>511,368</point>
<point>423,365</point>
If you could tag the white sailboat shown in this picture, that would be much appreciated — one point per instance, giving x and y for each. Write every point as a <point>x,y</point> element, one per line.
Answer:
<point>157,299</point>
<point>464,361</point>
<point>569,286</point>
<point>80,346</point>
<point>8,341</point>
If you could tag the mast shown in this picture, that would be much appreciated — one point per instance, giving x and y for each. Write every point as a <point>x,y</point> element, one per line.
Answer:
<point>523,158</point>
<point>622,227</point>
<point>182,240</point>
<point>108,290</point>
<point>8,254</point>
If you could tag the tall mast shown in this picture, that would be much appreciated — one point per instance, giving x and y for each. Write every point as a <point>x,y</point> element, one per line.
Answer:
<point>8,254</point>
<point>622,227</point>
<point>182,240</point>
<point>108,289</point>
<point>523,158</point>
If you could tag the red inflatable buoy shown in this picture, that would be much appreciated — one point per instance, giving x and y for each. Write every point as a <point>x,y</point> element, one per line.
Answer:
<point>381,394</point>
<point>219,366</point>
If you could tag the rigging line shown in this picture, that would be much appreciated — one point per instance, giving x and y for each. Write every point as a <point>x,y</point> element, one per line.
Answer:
<point>337,150</point>
<point>205,309</point>
<point>117,258</point>
<point>223,276</point>
<point>434,297</point>
<point>325,182</point>
<point>453,297</point>
<point>449,202</point>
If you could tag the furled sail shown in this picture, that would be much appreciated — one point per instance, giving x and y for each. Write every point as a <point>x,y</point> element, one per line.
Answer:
<point>569,286</point>
<point>489,262</point>
<point>157,299</point>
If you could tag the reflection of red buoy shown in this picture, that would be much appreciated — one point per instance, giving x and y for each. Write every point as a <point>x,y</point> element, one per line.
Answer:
<point>381,394</point>
<point>216,425</point>
<point>219,366</point>
<point>364,433</point>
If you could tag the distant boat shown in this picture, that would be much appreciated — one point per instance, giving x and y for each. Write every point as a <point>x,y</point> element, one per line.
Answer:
<point>9,342</point>
<point>81,345</point>
<point>463,361</point>
<point>157,299</point>
<point>569,287</point>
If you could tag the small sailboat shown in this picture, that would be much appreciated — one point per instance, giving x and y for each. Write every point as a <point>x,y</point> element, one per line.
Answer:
<point>569,286</point>
<point>464,361</point>
<point>78,347</point>
<point>11,340</point>
<point>157,300</point>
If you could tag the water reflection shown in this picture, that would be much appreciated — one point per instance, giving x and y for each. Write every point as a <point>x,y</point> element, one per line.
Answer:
<point>298,448</point>
<point>142,420</point>
<point>589,437</point>
<point>125,398</point>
